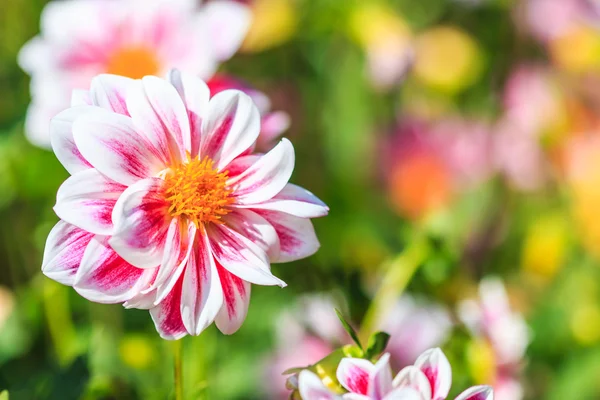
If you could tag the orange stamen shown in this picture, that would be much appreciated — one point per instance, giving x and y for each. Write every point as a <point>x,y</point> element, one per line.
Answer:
<point>133,62</point>
<point>198,191</point>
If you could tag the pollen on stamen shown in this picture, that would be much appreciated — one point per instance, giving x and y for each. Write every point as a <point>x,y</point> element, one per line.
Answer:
<point>198,191</point>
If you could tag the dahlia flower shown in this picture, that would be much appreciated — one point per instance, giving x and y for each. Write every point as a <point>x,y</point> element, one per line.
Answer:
<point>168,208</point>
<point>80,39</point>
<point>428,379</point>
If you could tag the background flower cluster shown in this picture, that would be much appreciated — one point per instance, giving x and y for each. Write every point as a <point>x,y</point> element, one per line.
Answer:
<point>456,143</point>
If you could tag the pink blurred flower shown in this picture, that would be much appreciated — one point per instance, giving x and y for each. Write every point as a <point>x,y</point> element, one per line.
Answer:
<point>549,19</point>
<point>168,208</point>
<point>273,123</point>
<point>80,39</point>
<point>429,378</point>
<point>414,327</point>
<point>492,318</point>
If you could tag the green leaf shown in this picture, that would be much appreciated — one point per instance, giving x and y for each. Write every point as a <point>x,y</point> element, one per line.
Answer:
<point>377,344</point>
<point>4,395</point>
<point>349,329</point>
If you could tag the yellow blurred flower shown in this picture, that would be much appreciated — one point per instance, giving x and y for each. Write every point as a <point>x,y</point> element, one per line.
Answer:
<point>274,22</point>
<point>447,59</point>
<point>585,324</point>
<point>137,351</point>
<point>545,245</point>
<point>481,361</point>
<point>578,50</point>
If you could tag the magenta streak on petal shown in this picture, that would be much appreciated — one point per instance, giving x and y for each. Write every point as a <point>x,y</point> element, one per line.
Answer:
<point>232,288</point>
<point>432,375</point>
<point>357,380</point>
<point>220,134</point>
<point>477,396</point>
<point>172,324</point>
<point>150,230</point>
<point>131,156</point>
<point>102,209</point>
<point>115,272</point>
<point>288,241</point>
<point>74,247</point>
<point>76,153</point>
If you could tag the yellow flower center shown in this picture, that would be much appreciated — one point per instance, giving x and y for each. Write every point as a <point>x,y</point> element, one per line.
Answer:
<point>133,62</point>
<point>198,191</point>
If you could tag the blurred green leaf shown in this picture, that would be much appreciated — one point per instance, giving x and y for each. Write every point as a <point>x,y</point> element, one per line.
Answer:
<point>349,329</point>
<point>377,344</point>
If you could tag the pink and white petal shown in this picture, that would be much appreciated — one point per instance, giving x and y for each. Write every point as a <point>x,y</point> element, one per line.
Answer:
<point>295,201</point>
<point>105,277</point>
<point>63,252</point>
<point>141,223</point>
<point>167,315</point>
<point>477,393</point>
<point>195,95</point>
<point>436,368</point>
<point>354,396</point>
<point>404,394</point>
<point>311,387</point>
<point>86,200</point>
<point>266,177</point>
<point>231,126</point>
<point>63,143</point>
<point>413,377</point>
<point>110,143</point>
<point>110,91</point>
<point>158,112</point>
<point>227,23</point>
<point>256,228</point>
<point>241,164</point>
<point>143,300</point>
<point>380,381</point>
<point>236,298</point>
<point>354,374</point>
<point>240,256</point>
<point>201,295</point>
<point>80,97</point>
<point>179,245</point>
<point>297,238</point>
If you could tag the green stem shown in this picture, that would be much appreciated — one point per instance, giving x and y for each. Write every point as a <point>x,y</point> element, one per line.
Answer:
<point>178,368</point>
<point>398,275</point>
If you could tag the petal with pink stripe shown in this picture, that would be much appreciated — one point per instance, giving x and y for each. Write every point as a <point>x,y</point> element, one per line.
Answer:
<point>109,92</point>
<point>404,394</point>
<point>297,238</point>
<point>240,256</point>
<point>477,393</point>
<point>295,201</point>
<point>158,113</point>
<point>105,277</point>
<point>380,380</point>
<point>256,228</point>
<point>201,295</point>
<point>63,143</point>
<point>231,126</point>
<point>64,250</point>
<point>167,315</point>
<point>311,387</point>
<point>141,223</point>
<point>111,144</point>
<point>354,374</point>
<point>236,298</point>
<point>436,368</point>
<point>87,200</point>
<point>266,177</point>
<point>413,377</point>
<point>195,95</point>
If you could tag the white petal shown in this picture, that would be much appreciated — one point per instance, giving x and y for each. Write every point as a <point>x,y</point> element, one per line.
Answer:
<point>436,368</point>
<point>141,223</point>
<point>256,228</point>
<point>236,298</point>
<point>63,143</point>
<point>87,199</point>
<point>167,315</point>
<point>227,23</point>
<point>64,250</point>
<point>477,393</point>
<point>110,91</point>
<point>380,381</point>
<point>297,238</point>
<point>201,296</point>
<point>195,95</point>
<point>311,387</point>
<point>295,201</point>
<point>354,374</point>
<point>104,277</point>
<point>240,256</point>
<point>413,377</point>
<point>265,178</point>
<point>404,394</point>
<point>111,144</point>
<point>231,126</point>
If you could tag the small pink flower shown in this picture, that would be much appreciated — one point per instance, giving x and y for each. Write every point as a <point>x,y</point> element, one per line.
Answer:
<point>168,207</point>
<point>80,39</point>
<point>429,378</point>
<point>273,123</point>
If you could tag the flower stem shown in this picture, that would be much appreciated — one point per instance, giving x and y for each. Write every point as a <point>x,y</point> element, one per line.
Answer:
<point>178,368</point>
<point>398,275</point>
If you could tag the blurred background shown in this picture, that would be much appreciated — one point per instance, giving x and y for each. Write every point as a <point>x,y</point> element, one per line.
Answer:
<point>457,144</point>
